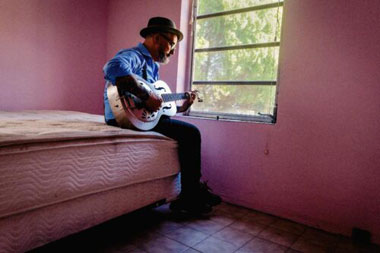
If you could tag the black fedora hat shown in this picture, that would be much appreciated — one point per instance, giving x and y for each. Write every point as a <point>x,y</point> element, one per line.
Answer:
<point>161,24</point>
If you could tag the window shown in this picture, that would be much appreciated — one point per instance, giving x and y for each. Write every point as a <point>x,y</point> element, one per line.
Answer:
<point>235,58</point>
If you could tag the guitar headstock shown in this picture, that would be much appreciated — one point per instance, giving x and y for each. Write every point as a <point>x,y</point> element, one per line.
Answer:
<point>199,99</point>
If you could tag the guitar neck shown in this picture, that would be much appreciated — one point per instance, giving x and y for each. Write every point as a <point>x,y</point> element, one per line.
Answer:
<point>173,96</point>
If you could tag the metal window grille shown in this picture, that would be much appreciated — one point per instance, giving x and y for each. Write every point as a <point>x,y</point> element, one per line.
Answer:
<point>259,116</point>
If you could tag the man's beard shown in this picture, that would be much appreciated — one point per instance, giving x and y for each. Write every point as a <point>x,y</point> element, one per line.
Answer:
<point>162,57</point>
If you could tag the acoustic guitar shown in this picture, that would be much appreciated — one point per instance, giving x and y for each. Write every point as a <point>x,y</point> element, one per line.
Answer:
<point>129,110</point>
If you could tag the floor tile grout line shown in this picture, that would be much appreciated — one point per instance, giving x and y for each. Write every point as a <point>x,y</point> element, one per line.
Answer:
<point>211,235</point>
<point>283,230</point>
<point>201,242</point>
<point>333,248</point>
<point>305,237</point>
<point>267,226</point>
<point>208,236</point>
<point>245,244</point>
<point>229,225</point>
<point>225,226</point>
<point>169,239</point>
<point>296,239</point>
<point>195,249</point>
<point>255,236</point>
<point>287,247</point>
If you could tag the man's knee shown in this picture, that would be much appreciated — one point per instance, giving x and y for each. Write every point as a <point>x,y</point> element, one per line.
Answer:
<point>194,133</point>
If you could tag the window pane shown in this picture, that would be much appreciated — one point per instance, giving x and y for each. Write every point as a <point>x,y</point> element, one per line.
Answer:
<point>212,6</point>
<point>257,64</point>
<point>238,29</point>
<point>237,99</point>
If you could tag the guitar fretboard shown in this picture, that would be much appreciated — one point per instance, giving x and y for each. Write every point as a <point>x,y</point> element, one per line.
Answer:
<point>173,96</point>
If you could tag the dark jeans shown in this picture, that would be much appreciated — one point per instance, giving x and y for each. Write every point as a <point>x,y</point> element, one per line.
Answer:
<point>188,138</point>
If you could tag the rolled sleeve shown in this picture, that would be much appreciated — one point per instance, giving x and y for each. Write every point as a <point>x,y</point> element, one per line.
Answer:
<point>135,61</point>
<point>117,67</point>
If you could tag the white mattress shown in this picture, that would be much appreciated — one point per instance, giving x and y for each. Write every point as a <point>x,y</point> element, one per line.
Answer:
<point>25,231</point>
<point>47,157</point>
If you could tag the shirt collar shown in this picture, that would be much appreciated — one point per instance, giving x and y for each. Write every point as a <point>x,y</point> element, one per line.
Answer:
<point>144,50</point>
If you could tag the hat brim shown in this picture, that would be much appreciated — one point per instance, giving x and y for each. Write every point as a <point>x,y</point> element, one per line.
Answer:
<point>157,29</point>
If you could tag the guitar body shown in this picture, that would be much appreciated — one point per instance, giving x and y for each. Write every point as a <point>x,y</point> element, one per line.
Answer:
<point>129,111</point>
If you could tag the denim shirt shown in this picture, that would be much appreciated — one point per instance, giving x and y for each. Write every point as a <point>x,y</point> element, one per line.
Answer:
<point>136,60</point>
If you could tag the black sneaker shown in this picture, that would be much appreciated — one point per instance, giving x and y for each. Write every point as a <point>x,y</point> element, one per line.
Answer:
<point>190,206</point>
<point>209,197</point>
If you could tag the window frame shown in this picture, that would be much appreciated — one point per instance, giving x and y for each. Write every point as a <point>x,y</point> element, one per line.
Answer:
<point>260,118</point>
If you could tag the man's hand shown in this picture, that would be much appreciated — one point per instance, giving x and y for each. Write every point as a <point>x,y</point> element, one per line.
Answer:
<point>188,102</point>
<point>153,103</point>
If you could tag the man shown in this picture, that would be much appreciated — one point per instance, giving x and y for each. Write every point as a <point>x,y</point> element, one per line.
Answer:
<point>160,40</point>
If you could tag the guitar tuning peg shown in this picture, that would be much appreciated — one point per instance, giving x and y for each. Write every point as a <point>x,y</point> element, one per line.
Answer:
<point>199,98</point>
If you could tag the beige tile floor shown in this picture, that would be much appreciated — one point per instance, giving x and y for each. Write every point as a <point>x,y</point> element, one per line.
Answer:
<point>227,229</point>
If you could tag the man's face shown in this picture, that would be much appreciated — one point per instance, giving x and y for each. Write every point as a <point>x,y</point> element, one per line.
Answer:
<point>166,46</point>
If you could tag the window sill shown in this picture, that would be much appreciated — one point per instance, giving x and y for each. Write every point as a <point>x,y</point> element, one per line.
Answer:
<point>265,119</point>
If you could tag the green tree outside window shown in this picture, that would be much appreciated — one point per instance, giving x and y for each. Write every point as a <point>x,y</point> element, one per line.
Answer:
<point>235,60</point>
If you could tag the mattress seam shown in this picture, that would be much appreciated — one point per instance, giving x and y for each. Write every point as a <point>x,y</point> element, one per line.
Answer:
<point>84,194</point>
<point>77,145</point>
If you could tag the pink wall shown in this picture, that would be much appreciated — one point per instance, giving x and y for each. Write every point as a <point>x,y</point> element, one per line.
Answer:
<point>324,153</point>
<point>322,168</point>
<point>127,18</point>
<point>52,52</point>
